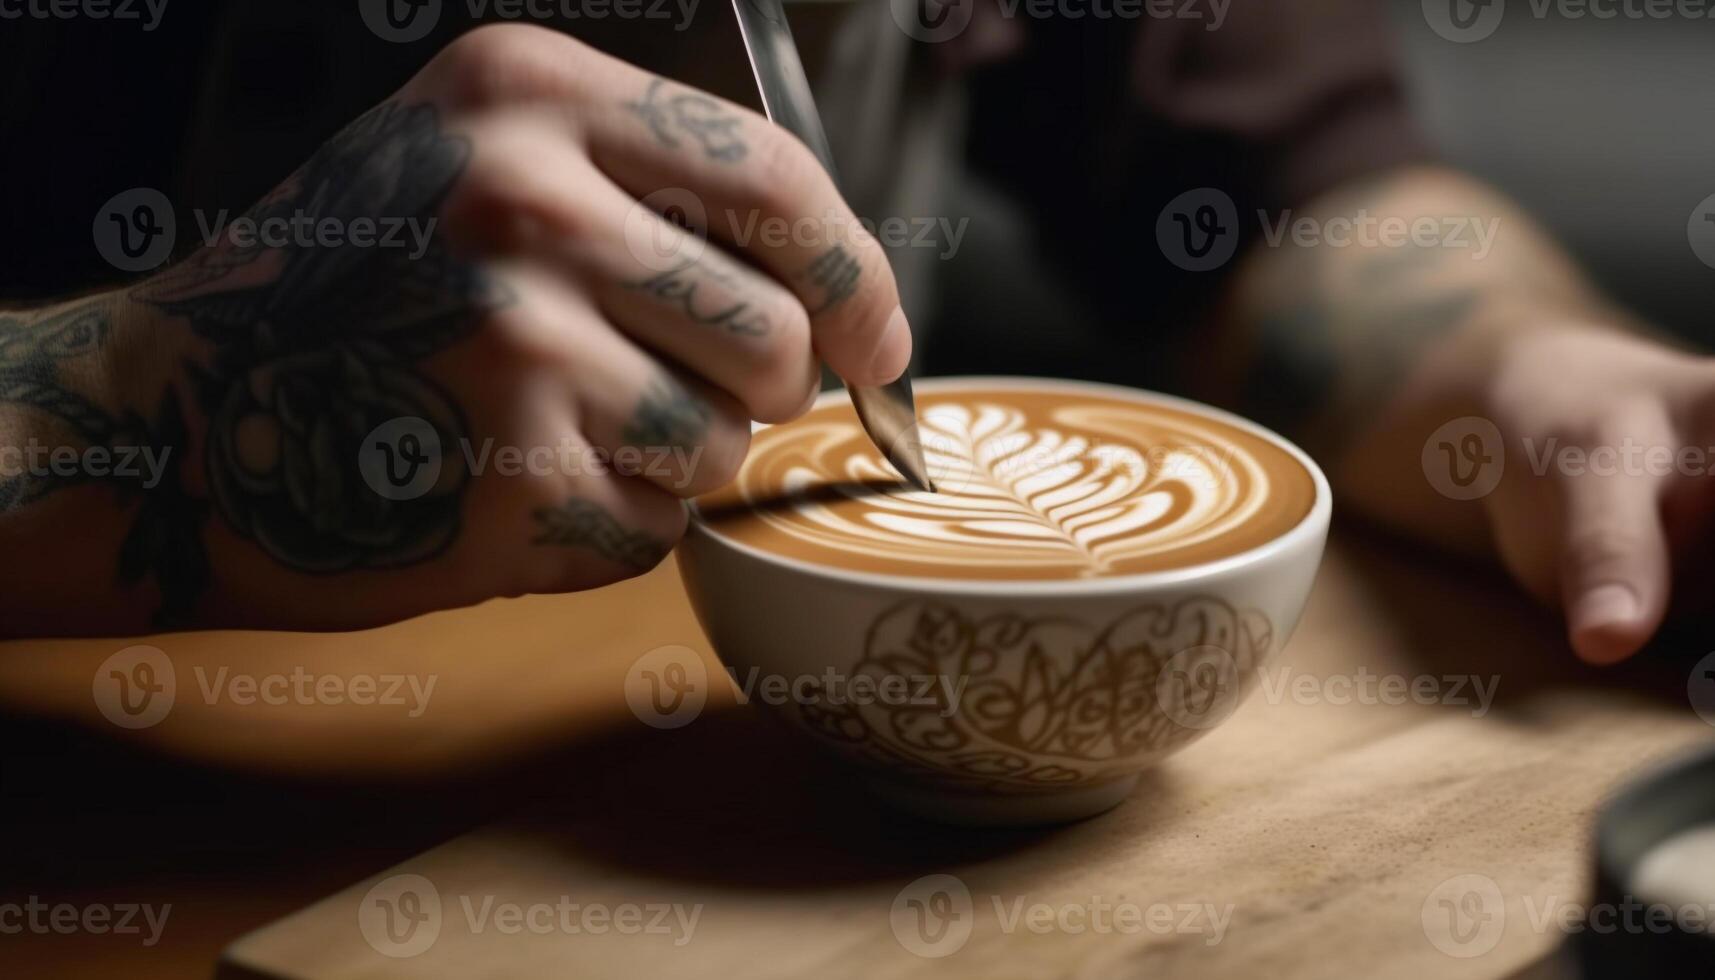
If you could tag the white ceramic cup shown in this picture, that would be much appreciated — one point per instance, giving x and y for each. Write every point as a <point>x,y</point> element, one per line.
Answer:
<point>1007,702</point>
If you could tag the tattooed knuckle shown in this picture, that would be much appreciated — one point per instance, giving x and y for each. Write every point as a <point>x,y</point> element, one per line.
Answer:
<point>474,69</point>
<point>594,543</point>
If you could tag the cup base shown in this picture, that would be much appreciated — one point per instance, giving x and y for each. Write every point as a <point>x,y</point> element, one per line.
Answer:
<point>997,810</point>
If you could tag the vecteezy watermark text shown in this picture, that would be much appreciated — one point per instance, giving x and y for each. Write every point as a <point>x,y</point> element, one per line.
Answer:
<point>403,458</point>
<point>64,918</point>
<point>138,686</point>
<point>1465,458</point>
<point>137,230</point>
<point>940,692</point>
<point>1466,21</point>
<point>403,915</point>
<point>148,12</point>
<point>1467,916</point>
<point>934,916</point>
<point>1366,230</point>
<point>301,229</point>
<point>404,21</point>
<point>144,464</point>
<point>934,21</point>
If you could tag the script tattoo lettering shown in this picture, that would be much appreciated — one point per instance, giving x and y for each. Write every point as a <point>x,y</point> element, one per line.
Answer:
<point>679,287</point>
<point>692,114</point>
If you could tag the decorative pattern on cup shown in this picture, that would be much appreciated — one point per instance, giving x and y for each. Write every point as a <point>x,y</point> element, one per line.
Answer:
<point>1010,703</point>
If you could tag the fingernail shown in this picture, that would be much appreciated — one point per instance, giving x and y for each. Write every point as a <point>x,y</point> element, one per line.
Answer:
<point>893,353</point>
<point>1604,606</point>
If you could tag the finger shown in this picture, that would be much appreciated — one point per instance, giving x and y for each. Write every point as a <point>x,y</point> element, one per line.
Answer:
<point>765,194</point>
<point>650,423</point>
<point>588,533</point>
<point>1613,564</point>
<point>669,290</point>
<point>685,297</point>
<point>650,134</point>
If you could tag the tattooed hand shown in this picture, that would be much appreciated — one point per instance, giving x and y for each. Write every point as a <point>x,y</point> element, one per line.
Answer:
<point>349,433</point>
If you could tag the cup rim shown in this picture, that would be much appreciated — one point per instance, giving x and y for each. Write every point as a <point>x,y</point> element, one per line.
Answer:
<point>1313,524</point>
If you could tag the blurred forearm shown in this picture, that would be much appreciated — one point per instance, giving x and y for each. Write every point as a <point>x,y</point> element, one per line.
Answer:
<point>1383,318</point>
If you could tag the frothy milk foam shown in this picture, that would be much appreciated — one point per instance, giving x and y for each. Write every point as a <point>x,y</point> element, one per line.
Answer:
<point>1034,484</point>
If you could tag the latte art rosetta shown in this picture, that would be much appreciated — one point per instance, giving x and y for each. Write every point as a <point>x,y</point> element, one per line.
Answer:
<point>1031,486</point>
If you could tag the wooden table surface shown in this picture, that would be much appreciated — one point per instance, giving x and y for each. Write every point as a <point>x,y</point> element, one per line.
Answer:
<point>1319,831</point>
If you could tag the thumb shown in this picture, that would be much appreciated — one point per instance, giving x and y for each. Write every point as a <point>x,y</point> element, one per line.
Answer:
<point>1613,564</point>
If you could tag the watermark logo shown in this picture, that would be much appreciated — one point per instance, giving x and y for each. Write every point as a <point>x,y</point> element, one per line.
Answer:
<point>400,21</point>
<point>1465,915</point>
<point>405,21</point>
<point>667,229</point>
<point>940,693</point>
<point>1199,687</point>
<point>136,687</point>
<point>1700,231</point>
<point>400,459</point>
<point>1464,21</point>
<point>1700,688</point>
<point>135,231</point>
<point>932,21</point>
<point>403,459</point>
<point>300,229</point>
<point>667,687</point>
<point>400,916</point>
<point>1464,458</point>
<point>933,916</point>
<point>1198,230</point>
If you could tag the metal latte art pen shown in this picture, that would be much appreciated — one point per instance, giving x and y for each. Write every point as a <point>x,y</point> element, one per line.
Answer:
<point>889,413</point>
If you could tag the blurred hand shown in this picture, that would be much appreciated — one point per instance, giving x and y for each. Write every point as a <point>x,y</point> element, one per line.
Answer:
<point>1606,488</point>
<point>376,431</point>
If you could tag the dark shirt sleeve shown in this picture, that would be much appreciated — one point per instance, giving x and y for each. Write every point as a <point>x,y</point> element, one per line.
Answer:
<point>1308,89</point>
<point>1095,126</point>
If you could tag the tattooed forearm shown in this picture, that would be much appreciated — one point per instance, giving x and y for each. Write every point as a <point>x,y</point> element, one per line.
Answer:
<point>581,523</point>
<point>680,286</point>
<point>837,274</point>
<point>1334,334</point>
<point>1321,337</point>
<point>1328,353</point>
<point>673,114</point>
<point>667,416</point>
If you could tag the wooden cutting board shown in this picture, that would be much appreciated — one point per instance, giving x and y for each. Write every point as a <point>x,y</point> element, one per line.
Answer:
<point>1331,827</point>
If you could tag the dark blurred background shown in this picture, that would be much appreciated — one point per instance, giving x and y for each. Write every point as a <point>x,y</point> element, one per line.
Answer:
<point>1599,127</point>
